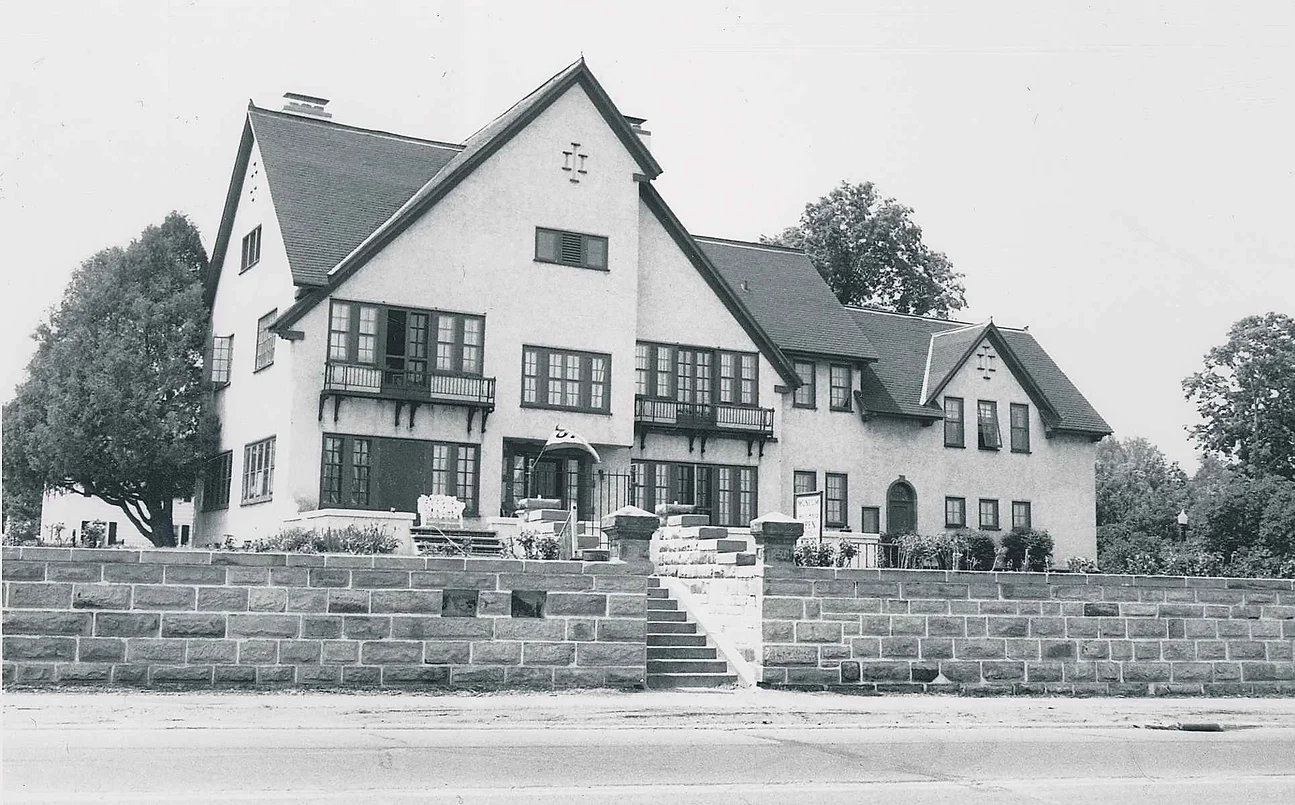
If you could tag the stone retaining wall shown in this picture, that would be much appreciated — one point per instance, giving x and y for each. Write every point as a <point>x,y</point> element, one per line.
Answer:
<point>916,630</point>
<point>200,619</point>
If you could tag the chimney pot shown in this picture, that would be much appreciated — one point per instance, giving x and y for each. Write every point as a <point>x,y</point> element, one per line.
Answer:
<point>636,125</point>
<point>308,105</point>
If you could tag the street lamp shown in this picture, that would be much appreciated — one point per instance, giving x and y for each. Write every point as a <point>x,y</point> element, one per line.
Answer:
<point>1182,523</point>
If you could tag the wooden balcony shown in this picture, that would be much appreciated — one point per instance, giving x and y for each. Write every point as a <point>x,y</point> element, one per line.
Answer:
<point>407,389</point>
<point>703,421</point>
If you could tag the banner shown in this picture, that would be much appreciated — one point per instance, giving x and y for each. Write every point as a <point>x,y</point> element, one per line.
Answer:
<point>565,438</point>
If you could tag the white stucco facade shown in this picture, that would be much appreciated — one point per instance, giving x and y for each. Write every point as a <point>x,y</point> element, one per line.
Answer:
<point>63,516</point>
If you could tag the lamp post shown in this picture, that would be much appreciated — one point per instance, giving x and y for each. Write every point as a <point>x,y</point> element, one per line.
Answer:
<point>1182,523</point>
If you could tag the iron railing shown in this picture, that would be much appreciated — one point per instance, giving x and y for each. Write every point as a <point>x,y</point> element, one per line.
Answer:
<point>672,415</point>
<point>429,387</point>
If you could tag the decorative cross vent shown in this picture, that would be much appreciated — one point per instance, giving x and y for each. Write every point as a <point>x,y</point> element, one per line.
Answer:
<point>985,359</point>
<point>574,162</point>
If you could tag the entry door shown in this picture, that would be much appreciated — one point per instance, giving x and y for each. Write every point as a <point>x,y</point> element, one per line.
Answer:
<point>901,509</point>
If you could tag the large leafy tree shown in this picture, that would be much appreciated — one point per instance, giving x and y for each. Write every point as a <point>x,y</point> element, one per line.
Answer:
<point>112,405</point>
<point>1138,487</point>
<point>871,252</point>
<point>1246,396</point>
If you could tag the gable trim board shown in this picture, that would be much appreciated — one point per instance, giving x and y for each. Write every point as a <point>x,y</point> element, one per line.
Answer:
<point>467,161</point>
<point>227,215</point>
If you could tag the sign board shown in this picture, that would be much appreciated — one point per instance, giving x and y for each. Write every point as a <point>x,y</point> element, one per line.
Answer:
<point>809,510</point>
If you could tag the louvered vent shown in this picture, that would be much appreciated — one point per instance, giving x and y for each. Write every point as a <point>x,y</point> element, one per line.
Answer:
<point>572,252</point>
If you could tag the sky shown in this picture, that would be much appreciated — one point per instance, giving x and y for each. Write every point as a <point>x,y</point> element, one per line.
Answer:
<point>1119,177</point>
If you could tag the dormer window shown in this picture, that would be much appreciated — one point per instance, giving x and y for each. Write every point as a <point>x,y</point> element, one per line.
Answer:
<point>251,249</point>
<point>570,249</point>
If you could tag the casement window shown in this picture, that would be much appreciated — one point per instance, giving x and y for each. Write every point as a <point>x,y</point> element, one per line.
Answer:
<point>1022,517</point>
<point>258,471</point>
<point>871,520</point>
<point>803,481</point>
<point>837,504</point>
<point>574,381</point>
<point>222,359</point>
<point>696,374</point>
<point>408,343</point>
<point>839,381</point>
<point>570,249</point>
<point>251,249</point>
<point>216,480</point>
<point>727,494</point>
<point>989,514</point>
<point>1020,423</point>
<point>954,427</point>
<point>382,474</point>
<point>955,512</point>
<point>805,395</point>
<point>265,340</point>
<point>987,434</point>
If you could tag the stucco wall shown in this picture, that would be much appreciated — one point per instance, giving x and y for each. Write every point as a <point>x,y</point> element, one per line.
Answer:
<point>68,510</point>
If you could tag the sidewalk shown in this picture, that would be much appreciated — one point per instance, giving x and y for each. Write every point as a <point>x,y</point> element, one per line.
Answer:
<point>739,709</point>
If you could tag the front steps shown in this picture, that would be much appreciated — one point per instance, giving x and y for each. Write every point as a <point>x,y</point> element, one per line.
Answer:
<point>678,656</point>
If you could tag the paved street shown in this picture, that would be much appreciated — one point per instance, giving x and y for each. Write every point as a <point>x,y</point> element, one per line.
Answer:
<point>754,747</point>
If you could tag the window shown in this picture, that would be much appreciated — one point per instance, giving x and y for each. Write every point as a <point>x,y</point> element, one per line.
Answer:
<point>954,431</point>
<point>184,533</point>
<point>408,343</point>
<point>837,494</point>
<point>251,249</point>
<point>727,494</point>
<point>386,473</point>
<point>988,514</point>
<point>955,512</point>
<point>988,436</point>
<point>258,471</point>
<point>805,396</point>
<point>222,356</point>
<point>215,481</point>
<point>570,249</point>
<point>871,517</point>
<point>839,383</point>
<point>1020,414</point>
<point>804,481</point>
<point>696,374</point>
<point>1022,519</point>
<point>576,381</point>
<point>265,340</point>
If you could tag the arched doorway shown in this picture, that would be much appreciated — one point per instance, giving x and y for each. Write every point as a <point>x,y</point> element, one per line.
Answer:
<point>901,508</point>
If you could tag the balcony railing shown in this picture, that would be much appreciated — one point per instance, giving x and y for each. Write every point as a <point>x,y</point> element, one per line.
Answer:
<point>423,387</point>
<point>703,417</point>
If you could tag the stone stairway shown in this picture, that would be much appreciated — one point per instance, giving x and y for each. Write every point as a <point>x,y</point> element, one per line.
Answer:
<point>678,654</point>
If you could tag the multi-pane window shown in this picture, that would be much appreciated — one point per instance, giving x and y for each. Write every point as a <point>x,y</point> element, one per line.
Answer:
<point>361,464</point>
<point>222,358</point>
<point>1020,422</point>
<point>836,499</point>
<point>805,395</point>
<point>839,386</point>
<point>383,474</point>
<point>726,493</point>
<point>696,374</point>
<point>954,432</point>
<point>871,516</point>
<point>988,514</point>
<point>570,249</point>
<point>803,481</point>
<point>955,512</point>
<point>988,435</point>
<point>251,249</point>
<point>265,340</point>
<point>408,343</point>
<point>330,477</point>
<point>553,378</point>
<point>216,480</point>
<point>1022,519</point>
<point>258,471</point>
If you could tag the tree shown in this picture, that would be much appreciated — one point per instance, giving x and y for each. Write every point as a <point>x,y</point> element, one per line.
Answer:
<point>1138,487</point>
<point>22,495</point>
<point>112,406</point>
<point>1246,396</point>
<point>871,253</point>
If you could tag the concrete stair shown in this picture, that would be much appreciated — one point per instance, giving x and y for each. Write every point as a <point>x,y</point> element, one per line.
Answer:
<point>678,655</point>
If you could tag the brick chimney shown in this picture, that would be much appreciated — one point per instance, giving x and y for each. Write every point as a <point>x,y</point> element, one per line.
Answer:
<point>307,105</point>
<point>636,125</point>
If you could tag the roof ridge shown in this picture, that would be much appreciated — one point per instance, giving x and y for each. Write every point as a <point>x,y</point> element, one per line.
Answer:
<point>524,98</point>
<point>750,244</point>
<point>951,330</point>
<point>251,107</point>
<point>961,324</point>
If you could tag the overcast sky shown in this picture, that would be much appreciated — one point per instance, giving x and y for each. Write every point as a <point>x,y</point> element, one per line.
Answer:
<point>1121,177</point>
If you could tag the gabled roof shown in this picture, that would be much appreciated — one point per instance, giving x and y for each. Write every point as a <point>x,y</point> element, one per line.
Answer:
<point>477,150</point>
<point>789,298</point>
<point>919,356</point>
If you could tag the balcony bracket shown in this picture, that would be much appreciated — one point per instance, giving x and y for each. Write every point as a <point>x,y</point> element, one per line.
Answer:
<point>703,444</point>
<point>692,437</point>
<point>472,413</point>
<point>322,399</point>
<point>642,438</point>
<point>337,406</point>
<point>413,409</point>
<point>400,404</point>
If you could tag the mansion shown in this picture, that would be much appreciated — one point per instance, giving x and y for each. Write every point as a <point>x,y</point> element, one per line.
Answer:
<point>394,316</point>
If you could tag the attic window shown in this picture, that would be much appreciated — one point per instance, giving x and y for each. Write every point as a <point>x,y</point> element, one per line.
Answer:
<point>570,249</point>
<point>251,249</point>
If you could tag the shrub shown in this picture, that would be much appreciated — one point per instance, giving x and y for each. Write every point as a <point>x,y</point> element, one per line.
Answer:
<point>366,539</point>
<point>944,550</point>
<point>1081,564</point>
<point>980,550</point>
<point>815,554</point>
<point>531,544</point>
<point>1027,549</point>
<point>846,553</point>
